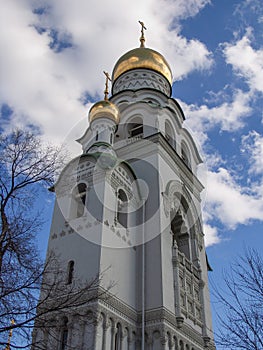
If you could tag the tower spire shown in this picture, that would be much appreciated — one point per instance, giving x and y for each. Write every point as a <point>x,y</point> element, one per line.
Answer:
<point>142,38</point>
<point>106,91</point>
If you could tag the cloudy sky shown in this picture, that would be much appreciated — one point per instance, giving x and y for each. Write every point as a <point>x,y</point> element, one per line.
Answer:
<point>53,54</point>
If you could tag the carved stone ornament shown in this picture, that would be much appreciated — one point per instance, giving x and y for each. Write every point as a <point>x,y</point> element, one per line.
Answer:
<point>166,204</point>
<point>170,200</point>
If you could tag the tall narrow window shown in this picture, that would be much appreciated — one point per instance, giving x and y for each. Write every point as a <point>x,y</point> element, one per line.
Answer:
<point>97,136</point>
<point>64,335</point>
<point>169,133</point>
<point>70,272</point>
<point>122,214</point>
<point>186,155</point>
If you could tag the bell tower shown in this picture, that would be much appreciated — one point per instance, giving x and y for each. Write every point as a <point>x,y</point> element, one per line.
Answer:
<point>129,210</point>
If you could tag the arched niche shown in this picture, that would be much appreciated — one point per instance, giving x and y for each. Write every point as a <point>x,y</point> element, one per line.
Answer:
<point>181,345</point>
<point>156,340</point>
<point>70,271</point>
<point>118,337</point>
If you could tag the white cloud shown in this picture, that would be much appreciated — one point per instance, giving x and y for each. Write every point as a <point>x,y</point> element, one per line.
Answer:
<point>229,115</point>
<point>43,87</point>
<point>252,146</point>
<point>226,200</point>
<point>229,202</point>
<point>33,82</point>
<point>211,235</point>
<point>247,62</point>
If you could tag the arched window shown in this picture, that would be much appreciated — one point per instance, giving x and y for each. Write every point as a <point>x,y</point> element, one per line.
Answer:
<point>169,133</point>
<point>122,208</point>
<point>64,335</point>
<point>185,155</point>
<point>70,271</point>
<point>180,232</point>
<point>78,200</point>
<point>117,345</point>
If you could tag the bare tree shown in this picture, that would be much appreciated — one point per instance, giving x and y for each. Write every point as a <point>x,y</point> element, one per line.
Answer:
<point>26,167</point>
<point>241,316</point>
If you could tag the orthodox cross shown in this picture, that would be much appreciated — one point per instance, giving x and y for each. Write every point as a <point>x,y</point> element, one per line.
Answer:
<point>106,91</point>
<point>142,38</point>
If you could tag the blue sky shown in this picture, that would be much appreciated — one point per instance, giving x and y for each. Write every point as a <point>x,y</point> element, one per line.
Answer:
<point>53,55</point>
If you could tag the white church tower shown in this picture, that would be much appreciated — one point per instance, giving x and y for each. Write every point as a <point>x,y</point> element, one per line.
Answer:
<point>129,209</point>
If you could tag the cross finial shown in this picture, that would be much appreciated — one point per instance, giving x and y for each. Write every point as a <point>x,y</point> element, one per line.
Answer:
<point>106,91</point>
<point>142,38</point>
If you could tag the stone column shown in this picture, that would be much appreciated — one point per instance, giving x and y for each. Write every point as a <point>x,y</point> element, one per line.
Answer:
<point>113,334</point>
<point>82,325</point>
<point>163,341</point>
<point>206,338</point>
<point>175,260</point>
<point>171,344</point>
<point>106,325</point>
<point>70,330</point>
<point>88,334</point>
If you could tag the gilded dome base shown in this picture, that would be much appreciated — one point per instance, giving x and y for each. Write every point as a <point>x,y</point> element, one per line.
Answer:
<point>141,79</point>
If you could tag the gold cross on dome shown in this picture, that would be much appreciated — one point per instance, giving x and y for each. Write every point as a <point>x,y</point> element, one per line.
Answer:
<point>142,38</point>
<point>106,91</point>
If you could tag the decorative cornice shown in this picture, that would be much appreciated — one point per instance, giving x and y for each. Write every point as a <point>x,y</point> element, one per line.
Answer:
<point>138,79</point>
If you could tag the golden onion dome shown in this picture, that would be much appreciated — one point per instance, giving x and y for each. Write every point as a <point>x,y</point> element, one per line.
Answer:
<point>142,57</point>
<point>104,109</point>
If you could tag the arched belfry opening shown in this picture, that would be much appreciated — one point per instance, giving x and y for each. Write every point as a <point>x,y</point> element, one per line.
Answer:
<point>135,127</point>
<point>181,232</point>
<point>78,200</point>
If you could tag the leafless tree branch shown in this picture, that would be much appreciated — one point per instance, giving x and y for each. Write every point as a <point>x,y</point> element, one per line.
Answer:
<point>242,304</point>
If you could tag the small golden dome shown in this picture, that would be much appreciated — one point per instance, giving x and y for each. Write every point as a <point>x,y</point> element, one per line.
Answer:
<point>142,58</point>
<point>104,109</point>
